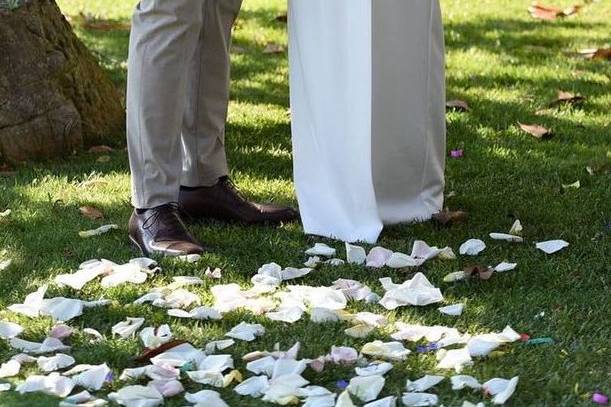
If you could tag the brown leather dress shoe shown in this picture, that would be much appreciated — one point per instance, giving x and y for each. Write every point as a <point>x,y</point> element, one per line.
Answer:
<point>224,202</point>
<point>160,231</point>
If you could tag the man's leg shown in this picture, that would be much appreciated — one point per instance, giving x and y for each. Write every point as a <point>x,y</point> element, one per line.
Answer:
<point>207,191</point>
<point>203,131</point>
<point>164,37</point>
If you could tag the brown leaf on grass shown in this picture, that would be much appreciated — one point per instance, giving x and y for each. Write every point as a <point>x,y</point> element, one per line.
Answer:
<point>282,18</point>
<point>447,217</point>
<point>595,53</point>
<point>91,213</point>
<point>566,98</point>
<point>544,12</point>
<point>273,48</point>
<point>536,130</point>
<point>481,272</point>
<point>148,354</point>
<point>458,105</point>
<point>100,149</point>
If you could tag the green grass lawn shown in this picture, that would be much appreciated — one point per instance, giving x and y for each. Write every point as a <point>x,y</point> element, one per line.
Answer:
<point>500,60</point>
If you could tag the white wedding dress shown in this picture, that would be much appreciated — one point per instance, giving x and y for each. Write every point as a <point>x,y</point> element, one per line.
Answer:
<point>368,113</point>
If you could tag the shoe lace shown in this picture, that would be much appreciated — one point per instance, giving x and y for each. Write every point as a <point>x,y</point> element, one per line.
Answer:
<point>234,188</point>
<point>166,215</point>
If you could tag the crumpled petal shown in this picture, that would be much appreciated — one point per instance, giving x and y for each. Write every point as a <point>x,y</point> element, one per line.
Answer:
<point>359,331</point>
<point>321,249</point>
<point>423,384</point>
<point>167,388</point>
<point>255,386</point>
<point>552,246</point>
<point>86,273</point>
<point>153,338</point>
<point>137,396</point>
<point>378,257</point>
<point>343,355</point>
<point>286,314</point>
<point>179,356</point>
<point>284,389</point>
<point>246,332</point>
<point>504,266</point>
<point>507,237</point>
<point>501,389</point>
<point>9,330</point>
<point>206,398</point>
<point>453,310</point>
<point>355,254</point>
<point>125,273</point>
<point>322,315</point>
<point>419,399</point>
<point>472,247</point>
<point>82,399</point>
<point>375,368</point>
<point>417,291</point>
<point>47,346</point>
<point>10,369</point>
<point>460,382</point>
<point>127,328</point>
<point>92,378</point>
<point>455,359</point>
<point>53,385</point>
<point>214,346</point>
<point>344,400</point>
<point>60,331</point>
<point>53,363</point>
<point>400,260</point>
<point>32,303</point>
<point>455,276</point>
<point>386,350</point>
<point>366,388</point>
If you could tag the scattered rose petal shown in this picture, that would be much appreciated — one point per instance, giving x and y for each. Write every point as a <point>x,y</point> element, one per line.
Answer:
<point>378,257</point>
<point>501,389</point>
<point>552,246</point>
<point>99,231</point>
<point>355,254</point>
<point>504,266</point>
<point>453,310</point>
<point>127,328</point>
<point>419,399</point>
<point>600,398</point>
<point>9,330</point>
<point>460,382</point>
<point>423,384</point>
<point>506,237</point>
<point>321,249</point>
<point>246,332</point>
<point>472,247</point>
<point>366,388</point>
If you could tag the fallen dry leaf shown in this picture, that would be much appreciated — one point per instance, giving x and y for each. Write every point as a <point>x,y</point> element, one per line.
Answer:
<point>91,213</point>
<point>595,53</point>
<point>100,149</point>
<point>447,217</point>
<point>458,105</point>
<point>481,272</point>
<point>566,98</point>
<point>273,48</point>
<point>543,12</point>
<point>536,130</point>
<point>282,18</point>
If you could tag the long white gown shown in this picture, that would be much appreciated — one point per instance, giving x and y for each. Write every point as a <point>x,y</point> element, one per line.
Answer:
<point>368,113</point>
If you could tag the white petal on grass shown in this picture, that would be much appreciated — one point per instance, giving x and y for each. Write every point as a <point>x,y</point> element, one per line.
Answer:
<point>321,249</point>
<point>373,369</point>
<point>423,384</point>
<point>49,345</point>
<point>417,291</point>
<point>10,368</point>
<point>452,310</point>
<point>255,386</point>
<point>455,359</point>
<point>419,399</point>
<point>93,378</point>
<point>552,246</point>
<point>344,400</point>
<point>97,232</point>
<point>400,260</point>
<point>5,264</point>
<point>366,388</point>
<point>32,303</point>
<point>355,254</point>
<point>504,266</point>
<point>386,350</point>
<point>472,247</point>
<point>501,389</point>
<point>460,382</point>
<point>215,346</point>
<point>10,330</point>
<point>507,237</point>
<point>153,338</point>
<point>137,396</point>
<point>246,332</point>
<point>378,256</point>
<point>56,362</point>
<point>286,314</point>
<point>359,331</point>
<point>53,385</point>
<point>127,328</point>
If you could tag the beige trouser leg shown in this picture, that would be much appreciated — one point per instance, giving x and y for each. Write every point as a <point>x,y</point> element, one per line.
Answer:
<point>177,89</point>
